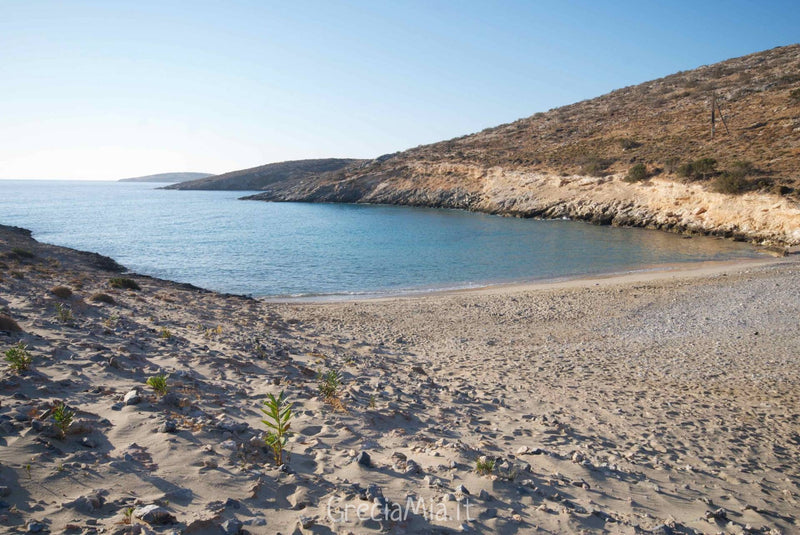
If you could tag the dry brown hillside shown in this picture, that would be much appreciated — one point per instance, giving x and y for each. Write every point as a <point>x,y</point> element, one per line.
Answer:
<point>533,166</point>
<point>663,124</point>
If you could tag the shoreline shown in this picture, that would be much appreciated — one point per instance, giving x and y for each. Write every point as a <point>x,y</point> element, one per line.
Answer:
<point>658,272</point>
<point>648,273</point>
<point>489,285</point>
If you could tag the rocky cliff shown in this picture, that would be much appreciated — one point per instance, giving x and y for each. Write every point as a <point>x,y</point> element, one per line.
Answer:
<point>639,156</point>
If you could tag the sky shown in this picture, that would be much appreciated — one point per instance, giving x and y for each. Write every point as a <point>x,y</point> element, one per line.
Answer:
<point>111,89</point>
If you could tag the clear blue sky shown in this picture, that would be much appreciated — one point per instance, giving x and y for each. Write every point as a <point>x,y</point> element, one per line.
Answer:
<point>108,89</point>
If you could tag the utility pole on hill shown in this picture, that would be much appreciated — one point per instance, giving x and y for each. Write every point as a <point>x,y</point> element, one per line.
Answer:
<point>715,108</point>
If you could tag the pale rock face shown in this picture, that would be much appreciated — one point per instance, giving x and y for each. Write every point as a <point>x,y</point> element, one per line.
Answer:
<point>657,203</point>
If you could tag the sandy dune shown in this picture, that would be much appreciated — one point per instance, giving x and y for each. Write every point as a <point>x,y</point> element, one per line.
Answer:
<point>659,403</point>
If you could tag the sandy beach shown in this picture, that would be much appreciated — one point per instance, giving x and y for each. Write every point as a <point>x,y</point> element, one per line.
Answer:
<point>654,402</point>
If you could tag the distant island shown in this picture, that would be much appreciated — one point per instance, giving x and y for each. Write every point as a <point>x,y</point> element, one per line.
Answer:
<point>166,177</point>
<point>263,177</point>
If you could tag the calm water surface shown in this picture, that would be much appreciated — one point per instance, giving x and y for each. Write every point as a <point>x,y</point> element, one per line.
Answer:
<point>213,240</point>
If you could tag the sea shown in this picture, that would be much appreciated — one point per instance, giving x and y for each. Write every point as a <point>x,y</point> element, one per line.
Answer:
<point>330,251</point>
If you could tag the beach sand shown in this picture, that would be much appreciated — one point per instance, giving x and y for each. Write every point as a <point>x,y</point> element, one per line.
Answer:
<point>655,402</point>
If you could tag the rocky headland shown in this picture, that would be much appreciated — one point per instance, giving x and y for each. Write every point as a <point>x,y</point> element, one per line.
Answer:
<point>639,156</point>
<point>264,176</point>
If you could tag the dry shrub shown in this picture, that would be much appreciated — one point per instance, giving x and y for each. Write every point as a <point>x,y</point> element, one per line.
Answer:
<point>629,144</point>
<point>21,253</point>
<point>731,184</point>
<point>61,291</point>
<point>637,173</point>
<point>123,283</point>
<point>7,323</point>
<point>100,297</point>
<point>701,169</point>
<point>594,166</point>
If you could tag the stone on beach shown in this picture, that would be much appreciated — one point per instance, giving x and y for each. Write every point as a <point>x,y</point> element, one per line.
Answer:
<point>154,514</point>
<point>132,398</point>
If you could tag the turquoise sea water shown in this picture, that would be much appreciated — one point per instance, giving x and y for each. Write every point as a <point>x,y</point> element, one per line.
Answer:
<point>213,240</point>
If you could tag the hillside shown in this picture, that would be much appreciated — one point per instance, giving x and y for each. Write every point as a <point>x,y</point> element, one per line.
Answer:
<point>572,161</point>
<point>166,177</point>
<point>259,178</point>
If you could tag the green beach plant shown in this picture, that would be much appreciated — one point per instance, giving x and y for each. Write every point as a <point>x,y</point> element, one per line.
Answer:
<point>278,412</point>
<point>111,321</point>
<point>165,334</point>
<point>212,332</point>
<point>63,313</point>
<point>18,357</point>
<point>329,384</point>
<point>63,418</point>
<point>158,383</point>
<point>484,466</point>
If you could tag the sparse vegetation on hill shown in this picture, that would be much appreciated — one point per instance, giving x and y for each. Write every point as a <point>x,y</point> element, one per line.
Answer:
<point>701,169</point>
<point>637,173</point>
